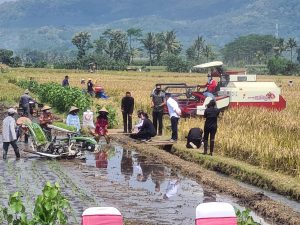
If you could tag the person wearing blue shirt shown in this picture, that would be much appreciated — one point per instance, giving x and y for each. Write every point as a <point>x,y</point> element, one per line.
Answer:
<point>73,118</point>
<point>65,82</point>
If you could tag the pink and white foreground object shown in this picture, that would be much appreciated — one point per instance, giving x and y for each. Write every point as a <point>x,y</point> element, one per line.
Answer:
<point>215,213</point>
<point>102,216</point>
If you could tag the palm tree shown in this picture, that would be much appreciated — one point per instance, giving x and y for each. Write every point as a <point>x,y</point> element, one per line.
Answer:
<point>149,43</point>
<point>199,46</point>
<point>172,45</point>
<point>133,34</point>
<point>291,44</point>
<point>208,52</point>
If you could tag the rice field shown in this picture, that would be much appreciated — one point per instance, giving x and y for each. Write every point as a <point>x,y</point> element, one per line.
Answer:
<point>268,139</point>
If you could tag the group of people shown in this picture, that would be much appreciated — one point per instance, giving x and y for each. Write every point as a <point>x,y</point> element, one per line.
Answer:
<point>87,87</point>
<point>146,129</point>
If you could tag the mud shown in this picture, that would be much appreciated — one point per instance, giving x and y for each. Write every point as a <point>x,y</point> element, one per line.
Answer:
<point>144,190</point>
<point>273,211</point>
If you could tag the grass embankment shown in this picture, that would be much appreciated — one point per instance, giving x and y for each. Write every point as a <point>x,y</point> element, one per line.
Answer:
<point>269,209</point>
<point>266,179</point>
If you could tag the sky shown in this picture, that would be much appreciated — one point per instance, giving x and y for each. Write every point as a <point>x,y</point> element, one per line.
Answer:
<point>1,1</point>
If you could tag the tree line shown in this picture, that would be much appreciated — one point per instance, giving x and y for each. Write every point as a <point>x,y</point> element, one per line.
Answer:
<point>118,49</point>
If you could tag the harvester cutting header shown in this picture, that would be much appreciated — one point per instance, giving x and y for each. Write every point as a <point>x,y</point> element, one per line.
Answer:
<point>233,89</point>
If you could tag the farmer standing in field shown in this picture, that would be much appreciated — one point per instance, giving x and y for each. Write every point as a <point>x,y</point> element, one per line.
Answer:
<point>174,112</point>
<point>73,118</point>
<point>65,82</point>
<point>211,114</point>
<point>157,104</point>
<point>127,106</point>
<point>90,87</point>
<point>24,102</point>
<point>9,136</point>
<point>46,118</point>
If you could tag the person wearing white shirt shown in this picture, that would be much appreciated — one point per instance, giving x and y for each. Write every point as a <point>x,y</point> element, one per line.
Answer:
<point>9,136</point>
<point>174,113</point>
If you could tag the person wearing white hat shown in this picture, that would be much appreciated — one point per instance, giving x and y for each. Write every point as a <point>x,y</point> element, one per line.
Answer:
<point>9,136</point>
<point>24,102</point>
<point>73,118</point>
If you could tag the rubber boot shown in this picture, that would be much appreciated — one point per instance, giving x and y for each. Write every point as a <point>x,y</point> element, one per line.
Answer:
<point>211,147</point>
<point>4,154</point>
<point>205,147</point>
<point>17,153</point>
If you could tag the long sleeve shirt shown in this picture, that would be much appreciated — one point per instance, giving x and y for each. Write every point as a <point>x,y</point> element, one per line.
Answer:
<point>9,129</point>
<point>25,99</point>
<point>127,105</point>
<point>73,120</point>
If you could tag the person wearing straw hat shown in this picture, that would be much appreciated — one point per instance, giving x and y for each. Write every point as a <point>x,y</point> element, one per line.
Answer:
<point>24,102</point>
<point>73,118</point>
<point>9,136</point>
<point>102,125</point>
<point>46,118</point>
<point>90,87</point>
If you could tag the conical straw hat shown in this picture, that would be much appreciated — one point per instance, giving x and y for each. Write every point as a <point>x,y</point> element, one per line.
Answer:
<point>73,108</point>
<point>103,110</point>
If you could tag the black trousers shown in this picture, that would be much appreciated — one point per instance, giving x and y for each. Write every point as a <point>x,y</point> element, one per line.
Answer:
<point>209,133</point>
<point>15,147</point>
<point>174,126</point>
<point>141,135</point>
<point>158,118</point>
<point>127,122</point>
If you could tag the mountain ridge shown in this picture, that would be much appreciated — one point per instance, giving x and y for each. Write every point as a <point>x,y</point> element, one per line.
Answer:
<point>51,24</point>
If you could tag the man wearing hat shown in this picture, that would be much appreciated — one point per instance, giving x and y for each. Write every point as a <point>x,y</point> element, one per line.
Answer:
<point>210,87</point>
<point>24,102</point>
<point>46,118</point>
<point>90,87</point>
<point>73,118</point>
<point>9,136</point>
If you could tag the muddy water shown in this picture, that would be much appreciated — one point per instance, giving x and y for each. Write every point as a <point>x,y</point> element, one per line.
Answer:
<point>143,190</point>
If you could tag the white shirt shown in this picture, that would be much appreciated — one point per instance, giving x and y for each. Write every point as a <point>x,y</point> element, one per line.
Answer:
<point>172,106</point>
<point>9,129</point>
<point>172,188</point>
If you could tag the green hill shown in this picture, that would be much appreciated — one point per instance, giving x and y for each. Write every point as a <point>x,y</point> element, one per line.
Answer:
<point>45,24</point>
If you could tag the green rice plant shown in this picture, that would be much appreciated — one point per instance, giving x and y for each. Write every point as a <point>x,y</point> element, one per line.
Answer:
<point>65,126</point>
<point>37,133</point>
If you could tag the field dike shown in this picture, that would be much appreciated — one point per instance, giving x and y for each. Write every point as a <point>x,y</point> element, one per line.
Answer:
<point>265,179</point>
<point>258,202</point>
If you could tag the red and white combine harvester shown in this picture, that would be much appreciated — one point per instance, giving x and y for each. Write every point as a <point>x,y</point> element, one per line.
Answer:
<point>234,89</point>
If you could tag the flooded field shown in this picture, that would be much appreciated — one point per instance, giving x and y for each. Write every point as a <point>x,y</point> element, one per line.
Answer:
<point>145,191</point>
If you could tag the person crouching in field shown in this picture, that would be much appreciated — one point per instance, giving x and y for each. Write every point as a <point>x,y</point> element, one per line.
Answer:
<point>146,131</point>
<point>102,125</point>
<point>211,114</point>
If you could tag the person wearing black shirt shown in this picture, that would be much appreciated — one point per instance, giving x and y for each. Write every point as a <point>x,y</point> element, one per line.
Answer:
<point>90,87</point>
<point>194,138</point>
<point>211,114</point>
<point>157,105</point>
<point>147,130</point>
<point>127,107</point>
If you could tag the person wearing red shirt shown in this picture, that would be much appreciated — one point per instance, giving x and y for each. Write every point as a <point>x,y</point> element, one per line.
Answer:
<point>210,87</point>
<point>102,125</point>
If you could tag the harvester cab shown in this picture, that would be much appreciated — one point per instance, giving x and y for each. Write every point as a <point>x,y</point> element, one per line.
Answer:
<point>243,89</point>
